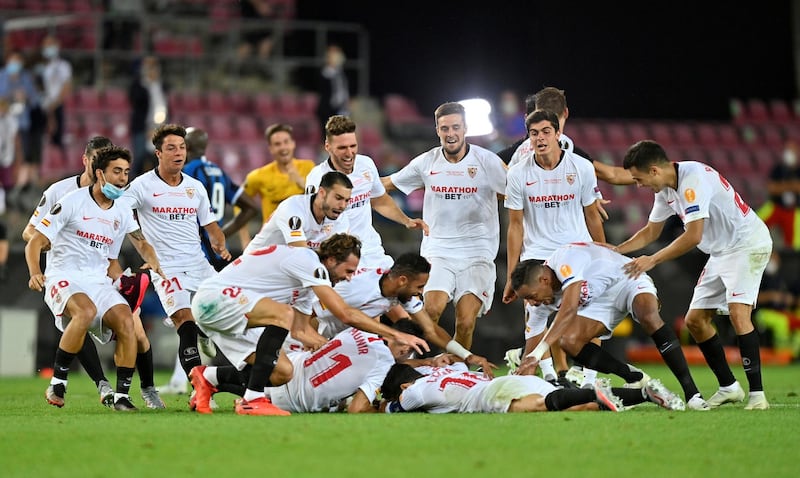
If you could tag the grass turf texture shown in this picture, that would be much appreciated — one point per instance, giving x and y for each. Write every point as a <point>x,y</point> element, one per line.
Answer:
<point>85,439</point>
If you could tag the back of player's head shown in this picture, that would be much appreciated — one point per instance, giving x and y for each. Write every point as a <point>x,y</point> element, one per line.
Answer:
<point>338,125</point>
<point>450,108</point>
<point>526,272</point>
<point>644,154</point>
<point>340,246</point>
<point>399,374</point>
<point>96,143</point>
<point>107,154</point>
<point>277,128</point>
<point>530,104</point>
<point>196,142</point>
<point>542,115</point>
<point>332,178</point>
<point>408,326</point>
<point>410,264</point>
<point>166,130</point>
<point>551,99</point>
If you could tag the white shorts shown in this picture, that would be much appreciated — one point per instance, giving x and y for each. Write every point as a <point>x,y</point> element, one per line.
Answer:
<point>497,396</point>
<point>58,291</point>
<point>727,278</point>
<point>536,318</point>
<point>222,319</point>
<point>175,292</point>
<point>459,277</point>
<point>616,303</point>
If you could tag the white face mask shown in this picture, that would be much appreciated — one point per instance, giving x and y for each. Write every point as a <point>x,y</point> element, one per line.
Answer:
<point>508,107</point>
<point>789,158</point>
<point>772,268</point>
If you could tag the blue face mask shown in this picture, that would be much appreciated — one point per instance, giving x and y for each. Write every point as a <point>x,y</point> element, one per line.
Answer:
<point>50,52</point>
<point>111,191</point>
<point>13,67</point>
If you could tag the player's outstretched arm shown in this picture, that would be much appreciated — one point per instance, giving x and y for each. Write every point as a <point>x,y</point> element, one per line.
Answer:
<point>33,250</point>
<point>146,251</point>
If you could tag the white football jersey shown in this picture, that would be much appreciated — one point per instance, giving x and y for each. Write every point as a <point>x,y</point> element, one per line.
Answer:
<point>51,195</point>
<point>362,292</point>
<point>552,202</point>
<point>84,236</point>
<point>366,185</point>
<point>292,221</point>
<point>282,273</point>
<point>170,217</point>
<point>703,193</point>
<point>598,267</point>
<point>460,204</point>
<point>352,360</point>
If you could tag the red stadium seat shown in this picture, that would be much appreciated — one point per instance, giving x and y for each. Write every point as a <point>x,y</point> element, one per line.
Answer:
<point>116,99</point>
<point>638,131</point>
<point>780,111</point>
<point>247,129</point>
<point>756,111</point>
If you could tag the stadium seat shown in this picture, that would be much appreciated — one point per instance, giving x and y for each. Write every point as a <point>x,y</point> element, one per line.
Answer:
<point>638,131</point>
<point>771,136</point>
<point>590,135</point>
<point>187,101</point>
<point>221,127</point>
<point>116,99</point>
<point>265,106</point>
<point>616,136</point>
<point>217,102</point>
<point>240,102</point>
<point>707,135</point>
<point>780,111</point>
<point>88,99</point>
<point>662,134</point>
<point>756,111</point>
<point>684,134</point>
<point>728,135</point>
<point>247,129</point>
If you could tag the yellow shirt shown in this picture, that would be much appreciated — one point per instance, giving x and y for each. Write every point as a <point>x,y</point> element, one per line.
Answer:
<point>274,186</point>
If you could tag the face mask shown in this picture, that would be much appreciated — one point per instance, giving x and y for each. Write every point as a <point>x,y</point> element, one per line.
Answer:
<point>13,67</point>
<point>508,107</point>
<point>50,52</point>
<point>111,191</point>
<point>772,267</point>
<point>789,158</point>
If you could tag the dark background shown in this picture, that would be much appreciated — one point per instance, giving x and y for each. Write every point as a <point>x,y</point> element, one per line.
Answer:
<point>631,59</point>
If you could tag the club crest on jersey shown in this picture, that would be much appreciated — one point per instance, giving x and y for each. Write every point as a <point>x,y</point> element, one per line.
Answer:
<point>56,208</point>
<point>295,223</point>
<point>327,228</point>
<point>472,171</point>
<point>321,273</point>
<point>116,224</point>
<point>570,179</point>
<point>367,176</point>
<point>190,192</point>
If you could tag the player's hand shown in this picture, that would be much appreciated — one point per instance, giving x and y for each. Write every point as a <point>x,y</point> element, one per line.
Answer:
<point>509,295</point>
<point>528,366</point>
<point>419,345</point>
<point>313,343</point>
<point>442,360</point>
<point>417,223</point>
<point>601,209</point>
<point>222,251</point>
<point>36,282</point>
<point>639,266</point>
<point>157,269</point>
<point>481,362</point>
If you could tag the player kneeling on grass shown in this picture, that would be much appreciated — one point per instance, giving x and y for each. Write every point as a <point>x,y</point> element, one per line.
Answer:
<point>83,231</point>
<point>455,389</point>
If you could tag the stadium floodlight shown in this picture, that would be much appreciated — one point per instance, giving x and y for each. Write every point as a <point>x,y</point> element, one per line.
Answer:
<point>479,122</point>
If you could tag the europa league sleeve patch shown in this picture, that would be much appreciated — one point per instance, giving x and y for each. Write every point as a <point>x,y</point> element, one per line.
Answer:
<point>56,209</point>
<point>295,223</point>
<point>311,189</point>
<point>42,201</point>
<point>321,273</point>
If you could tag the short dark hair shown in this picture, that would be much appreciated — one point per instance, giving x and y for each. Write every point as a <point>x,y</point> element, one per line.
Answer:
<point>530,104</point>
<point>105,155</point>
<point>332,178</point>
<point>450,108</point>
<point>340,246</point>
<point>525,271</point>
<point>96,143</point>
<point>542,115</point>
<point>408,326</point>
<point>338,125</point>
<point>277,128</point>
<point>399,374</point>
<point>644,154</point>
<point>551,99</point>
<point>165,130</point>
<point>410,264</point>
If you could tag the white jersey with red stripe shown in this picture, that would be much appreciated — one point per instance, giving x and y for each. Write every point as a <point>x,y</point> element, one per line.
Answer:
<point>51,195</point>
<point>703,193</point>
<point>283,273</point>
<point>460,204</point>
<point>362,292</point>
<point>353,360</point>
<point>552,203</point>
<point>366,185</point>
<point>84,236</point>
<point>293,221</point>
<point>170,217</point>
